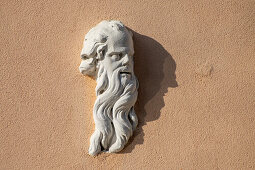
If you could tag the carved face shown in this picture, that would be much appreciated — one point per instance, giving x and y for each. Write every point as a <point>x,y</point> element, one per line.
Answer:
<point>119,53</point>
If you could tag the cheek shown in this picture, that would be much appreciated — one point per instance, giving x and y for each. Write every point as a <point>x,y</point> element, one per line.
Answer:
<point>110,63</point>
<point>83,64</point>
<point>86,63</point>
<point>86,66</point>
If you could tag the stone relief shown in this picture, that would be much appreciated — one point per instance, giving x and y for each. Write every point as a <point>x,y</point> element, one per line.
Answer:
<point>107,56</point>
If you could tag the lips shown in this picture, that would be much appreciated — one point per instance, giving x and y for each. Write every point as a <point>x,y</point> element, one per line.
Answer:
<point>124,72</point>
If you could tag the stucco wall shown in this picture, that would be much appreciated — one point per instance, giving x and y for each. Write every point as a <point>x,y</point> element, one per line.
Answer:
<point>195,63</point>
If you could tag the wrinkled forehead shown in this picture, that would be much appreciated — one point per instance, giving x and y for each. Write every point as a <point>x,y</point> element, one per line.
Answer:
<point>119,41</point>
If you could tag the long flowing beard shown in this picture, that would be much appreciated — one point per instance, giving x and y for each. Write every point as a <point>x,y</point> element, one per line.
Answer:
<point>114,115</point>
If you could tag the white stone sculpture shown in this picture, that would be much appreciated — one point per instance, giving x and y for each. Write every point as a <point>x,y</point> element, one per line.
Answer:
<point>107,56</point>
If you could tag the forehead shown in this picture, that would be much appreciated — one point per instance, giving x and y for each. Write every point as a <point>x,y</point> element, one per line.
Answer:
<point>120,41</point>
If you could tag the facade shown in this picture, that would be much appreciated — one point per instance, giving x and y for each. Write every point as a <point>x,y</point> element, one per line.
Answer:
<point>195,64</point>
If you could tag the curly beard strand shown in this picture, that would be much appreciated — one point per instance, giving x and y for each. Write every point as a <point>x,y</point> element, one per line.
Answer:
<point>114,115</point>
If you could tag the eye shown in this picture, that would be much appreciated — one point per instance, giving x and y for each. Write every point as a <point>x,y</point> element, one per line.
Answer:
<point>84,57</point>
<point>117,57</point>
<point>103,52</point>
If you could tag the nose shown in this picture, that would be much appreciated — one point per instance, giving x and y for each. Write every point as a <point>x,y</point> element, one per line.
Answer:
<point>126,60</point>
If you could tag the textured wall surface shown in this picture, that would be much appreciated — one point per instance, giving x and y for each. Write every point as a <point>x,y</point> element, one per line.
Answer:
<point>195,63</point>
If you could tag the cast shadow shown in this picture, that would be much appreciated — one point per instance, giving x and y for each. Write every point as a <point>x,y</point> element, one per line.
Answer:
<point>155,70</point>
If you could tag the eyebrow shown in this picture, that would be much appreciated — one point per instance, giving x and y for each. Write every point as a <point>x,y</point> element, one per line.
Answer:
<point>115,52</point>
<point>121,51</point>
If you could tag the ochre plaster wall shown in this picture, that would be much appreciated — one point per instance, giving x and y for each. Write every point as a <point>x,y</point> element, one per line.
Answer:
<point>196,67</point>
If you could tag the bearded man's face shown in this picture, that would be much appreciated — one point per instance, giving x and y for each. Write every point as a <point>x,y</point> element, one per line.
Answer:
<point>119,54</point>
